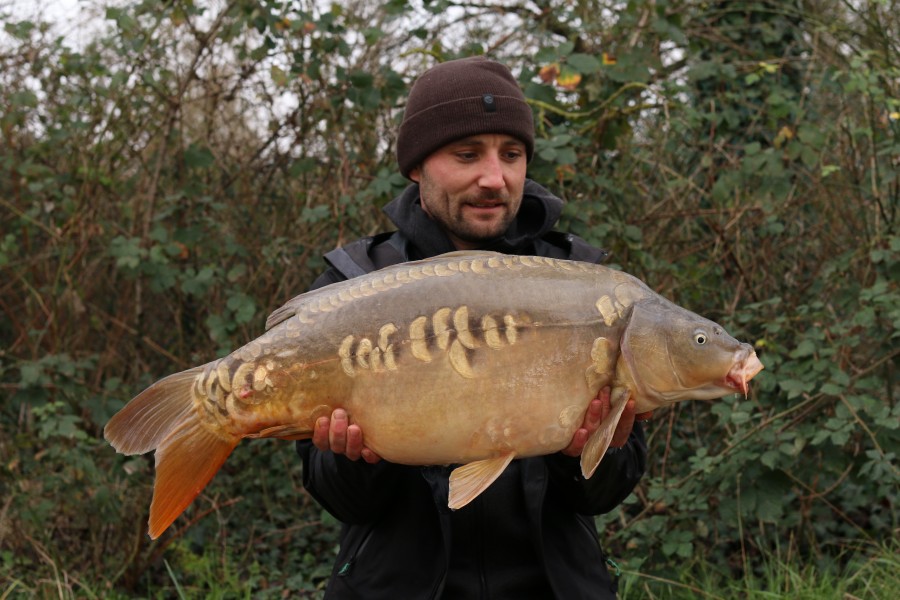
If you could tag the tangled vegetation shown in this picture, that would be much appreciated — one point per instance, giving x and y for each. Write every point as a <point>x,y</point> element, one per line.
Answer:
<point>170,181</point>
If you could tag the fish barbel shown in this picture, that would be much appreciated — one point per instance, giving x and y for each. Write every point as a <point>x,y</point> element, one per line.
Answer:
<point>470,358</point>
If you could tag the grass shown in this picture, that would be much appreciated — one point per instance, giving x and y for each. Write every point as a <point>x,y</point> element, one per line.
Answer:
<point>868,573</point>
<point>871,573</point>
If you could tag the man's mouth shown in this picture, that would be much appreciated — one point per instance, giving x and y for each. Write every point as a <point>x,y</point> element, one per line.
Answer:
<point>485,202</point>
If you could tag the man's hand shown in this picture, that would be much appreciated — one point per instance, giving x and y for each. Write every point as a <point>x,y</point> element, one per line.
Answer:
<point>339,436</point>
<point>597,411</point>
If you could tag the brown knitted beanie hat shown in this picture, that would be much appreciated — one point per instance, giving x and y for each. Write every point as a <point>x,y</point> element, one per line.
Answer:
<point>459,98</point>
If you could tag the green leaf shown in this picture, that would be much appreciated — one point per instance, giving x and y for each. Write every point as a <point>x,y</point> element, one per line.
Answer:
<point>583,63</point>
<point>361,79</point>
<point>278,75</point>
<point>21,29</point>
<point>127,252</point>
<point>236,272</point>
<point>243,306</point>
<point>769,458</point>
<point>198,157</point>
<point>803,349</point>
<point>739,418</point>
<point>25,98</point>
<point>301,166</point>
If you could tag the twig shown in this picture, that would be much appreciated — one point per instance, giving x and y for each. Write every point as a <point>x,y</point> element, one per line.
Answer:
<point>866,429</point>
<point>144,338</point>
<point>23,215</point>
<point>837,511</point>
<point>816,495</point>
<point>599,108</point>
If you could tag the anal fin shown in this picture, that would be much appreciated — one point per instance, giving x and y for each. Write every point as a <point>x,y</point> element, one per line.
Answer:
<point>469,480</point>
<point>599,441</point>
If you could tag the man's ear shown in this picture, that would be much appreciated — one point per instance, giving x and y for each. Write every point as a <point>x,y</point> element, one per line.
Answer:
<point>414,174</point>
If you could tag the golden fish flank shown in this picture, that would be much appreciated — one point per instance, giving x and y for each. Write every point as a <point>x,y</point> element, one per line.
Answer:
<point>450,331</point>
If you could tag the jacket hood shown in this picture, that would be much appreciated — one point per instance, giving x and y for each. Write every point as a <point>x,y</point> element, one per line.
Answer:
<point>538,213</point>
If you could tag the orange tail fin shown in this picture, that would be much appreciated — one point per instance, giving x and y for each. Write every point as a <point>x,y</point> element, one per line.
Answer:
<point>188,453</point>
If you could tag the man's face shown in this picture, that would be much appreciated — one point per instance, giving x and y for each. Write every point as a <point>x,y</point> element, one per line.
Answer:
<point>473,187</point>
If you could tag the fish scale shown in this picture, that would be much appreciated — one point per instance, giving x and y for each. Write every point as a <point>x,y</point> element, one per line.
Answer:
<point>469,358</point>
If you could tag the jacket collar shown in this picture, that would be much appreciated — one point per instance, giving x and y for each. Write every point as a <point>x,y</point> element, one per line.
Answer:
<point>538,213</point>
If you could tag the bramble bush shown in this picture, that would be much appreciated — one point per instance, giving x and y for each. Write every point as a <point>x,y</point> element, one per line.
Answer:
<point>168,183</point>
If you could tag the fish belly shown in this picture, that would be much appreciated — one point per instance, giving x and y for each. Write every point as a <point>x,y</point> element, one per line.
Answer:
<point>528,398</point>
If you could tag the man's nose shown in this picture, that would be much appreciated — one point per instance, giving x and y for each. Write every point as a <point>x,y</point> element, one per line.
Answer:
<point>491,173</point>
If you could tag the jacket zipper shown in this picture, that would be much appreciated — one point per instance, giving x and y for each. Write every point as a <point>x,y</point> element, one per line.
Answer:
<point>347,567</point>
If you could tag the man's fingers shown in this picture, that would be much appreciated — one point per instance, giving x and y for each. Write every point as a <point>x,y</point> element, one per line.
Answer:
<point>595,414</point>
<point>577,444</point>
<point>369,456</point>
<point>354,446</point>
<point>337,434</point>
<point>320,433</point>
<point>605,395</point>
<point>624,426</point>
<point>597,411</point>
<point>604,407</point>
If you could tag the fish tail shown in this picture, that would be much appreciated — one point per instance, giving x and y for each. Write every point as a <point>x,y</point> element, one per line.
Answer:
<point>188,452</point>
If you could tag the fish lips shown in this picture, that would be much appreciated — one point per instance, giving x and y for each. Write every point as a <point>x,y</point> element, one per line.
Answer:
<point>743,371</point>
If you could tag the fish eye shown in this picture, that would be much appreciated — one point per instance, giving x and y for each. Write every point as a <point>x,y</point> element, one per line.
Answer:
<point>700,338</point>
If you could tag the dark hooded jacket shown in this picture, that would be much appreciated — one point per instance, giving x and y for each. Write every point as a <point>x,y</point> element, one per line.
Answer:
<point>531,533</point>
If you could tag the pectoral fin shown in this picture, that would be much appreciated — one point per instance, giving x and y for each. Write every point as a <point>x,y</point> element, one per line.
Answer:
<point>284,432</point>
<point>467,481</point>
<point>599,441</point>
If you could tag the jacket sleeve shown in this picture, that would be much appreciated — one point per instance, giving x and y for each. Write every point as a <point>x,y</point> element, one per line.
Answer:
<point>615,478</point>
<point>352,491</point>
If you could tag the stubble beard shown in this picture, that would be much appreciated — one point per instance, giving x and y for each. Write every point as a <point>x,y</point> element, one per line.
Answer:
<point>478,231</point>
<point>451,214</point>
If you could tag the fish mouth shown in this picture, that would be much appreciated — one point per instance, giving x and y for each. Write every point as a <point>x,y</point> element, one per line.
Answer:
<point>742,372</point>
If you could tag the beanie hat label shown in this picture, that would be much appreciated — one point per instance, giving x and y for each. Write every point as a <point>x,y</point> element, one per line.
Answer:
<point>489,104</point>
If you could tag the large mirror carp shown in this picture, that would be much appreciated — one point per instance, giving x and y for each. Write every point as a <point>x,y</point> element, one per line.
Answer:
<point>469,358</point>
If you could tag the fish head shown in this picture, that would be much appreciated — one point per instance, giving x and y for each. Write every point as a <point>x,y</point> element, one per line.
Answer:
<point>672,354</point>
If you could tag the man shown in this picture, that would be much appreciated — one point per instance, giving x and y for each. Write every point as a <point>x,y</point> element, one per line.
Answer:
<point>465,141</point>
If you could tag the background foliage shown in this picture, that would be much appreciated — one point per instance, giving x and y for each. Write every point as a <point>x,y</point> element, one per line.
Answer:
<point>169,182</point>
